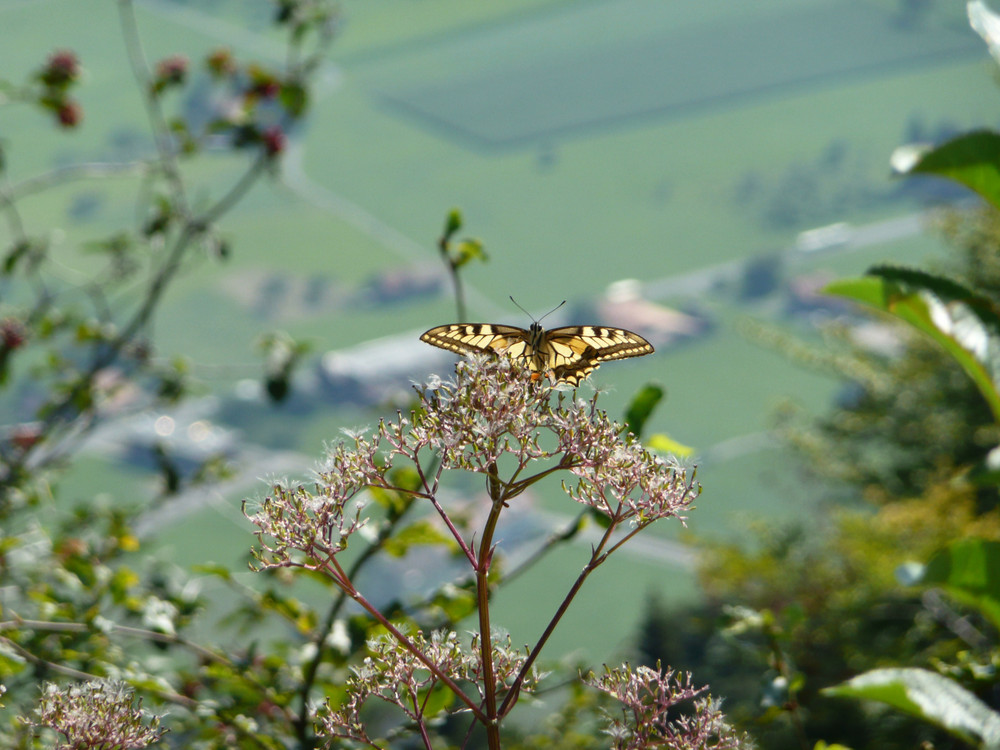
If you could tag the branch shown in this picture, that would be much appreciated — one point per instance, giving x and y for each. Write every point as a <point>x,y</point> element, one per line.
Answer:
<point>158,123</point>
<point>596,558</point>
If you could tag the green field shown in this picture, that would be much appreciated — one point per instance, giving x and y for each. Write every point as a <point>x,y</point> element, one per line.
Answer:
<point>585,142</point>
<point>609,67</point>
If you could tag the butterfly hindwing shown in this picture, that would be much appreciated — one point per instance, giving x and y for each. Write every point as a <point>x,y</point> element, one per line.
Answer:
<point>570,353</point>
<point>576,351</point>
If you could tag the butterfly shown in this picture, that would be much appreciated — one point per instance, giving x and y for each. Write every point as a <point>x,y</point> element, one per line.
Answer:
<point>570,353</point>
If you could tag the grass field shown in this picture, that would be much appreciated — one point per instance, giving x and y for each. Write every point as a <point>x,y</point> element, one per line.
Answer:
<point>585,142</point>
<point>608,67</point>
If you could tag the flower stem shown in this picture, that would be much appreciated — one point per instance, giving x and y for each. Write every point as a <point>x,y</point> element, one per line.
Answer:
<point>483,593</point>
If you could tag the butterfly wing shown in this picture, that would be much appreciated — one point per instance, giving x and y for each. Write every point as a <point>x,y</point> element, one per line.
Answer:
<point>570,353</point>
<point>466,338</point>
<point>575,351</point>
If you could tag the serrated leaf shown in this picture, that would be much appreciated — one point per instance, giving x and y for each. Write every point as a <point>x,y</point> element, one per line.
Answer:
<point>969,570</point>
<point>972,159</point>
<point>929,696</point>
<point>966,325</point>
<point>643,404</point>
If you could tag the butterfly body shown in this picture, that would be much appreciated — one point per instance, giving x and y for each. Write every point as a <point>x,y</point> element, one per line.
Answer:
<point>570,353</point>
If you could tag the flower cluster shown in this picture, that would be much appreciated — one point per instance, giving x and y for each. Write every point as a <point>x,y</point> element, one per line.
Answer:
<point>61,69</point>
<point>491,410</point>
<point>12,334</point>
<point>648,697</point>
<point>393,675</point>
<point>617,476</point>
<point>292,519</point>
<point>59,74</point>
<point>169,72</point>
<point>101,713</point>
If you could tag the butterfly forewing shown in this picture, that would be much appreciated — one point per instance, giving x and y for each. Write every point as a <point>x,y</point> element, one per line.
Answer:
<point>466,338</point>
<point>604,343</point>
<point>570,353</point>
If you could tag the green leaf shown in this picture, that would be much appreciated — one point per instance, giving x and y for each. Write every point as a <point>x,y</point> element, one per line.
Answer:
<point>929,696</point>
<point>18,251</point>
<point>214,569</point>
<point>466,250</point>
<point>969,570</point>
<point>599,518</point>
<point>662,443</point>
<point>972,159</point>
<point>405,477</point>
<point>439,699</point>
<point>965,324</point>
<point>418,533</point>
<point>294,98</point>
<point>642,406</point>
<point>395,503</point>
<point>452,223</point>
<point>454,602</point>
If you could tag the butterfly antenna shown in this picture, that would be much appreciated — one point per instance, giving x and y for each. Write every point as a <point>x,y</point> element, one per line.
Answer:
<point>541,318</point>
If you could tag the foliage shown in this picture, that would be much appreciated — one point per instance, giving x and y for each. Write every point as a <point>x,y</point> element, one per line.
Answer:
<point>929,696</point>
<point>915,437</point>
<point>72,355</point>
<point>905,419</point>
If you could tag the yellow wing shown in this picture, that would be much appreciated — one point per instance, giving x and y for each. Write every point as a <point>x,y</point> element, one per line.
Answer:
<point>466,338</point>
<point>574,352</point>
<point>569,353</point>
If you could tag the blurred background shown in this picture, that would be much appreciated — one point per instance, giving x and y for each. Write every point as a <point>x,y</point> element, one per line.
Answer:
<point>693,171</point>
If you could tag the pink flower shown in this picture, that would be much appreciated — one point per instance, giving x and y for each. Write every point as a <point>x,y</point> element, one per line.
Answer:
<point>274,141</point>
<point>649,719</point>
<point>12,333</point>
<point>172,69</point>
<point>61,69</point>
<point>220,63</point>
<point>68,113</point>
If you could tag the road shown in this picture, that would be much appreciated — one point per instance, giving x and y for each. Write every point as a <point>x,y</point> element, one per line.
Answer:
<point>702,280</point>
